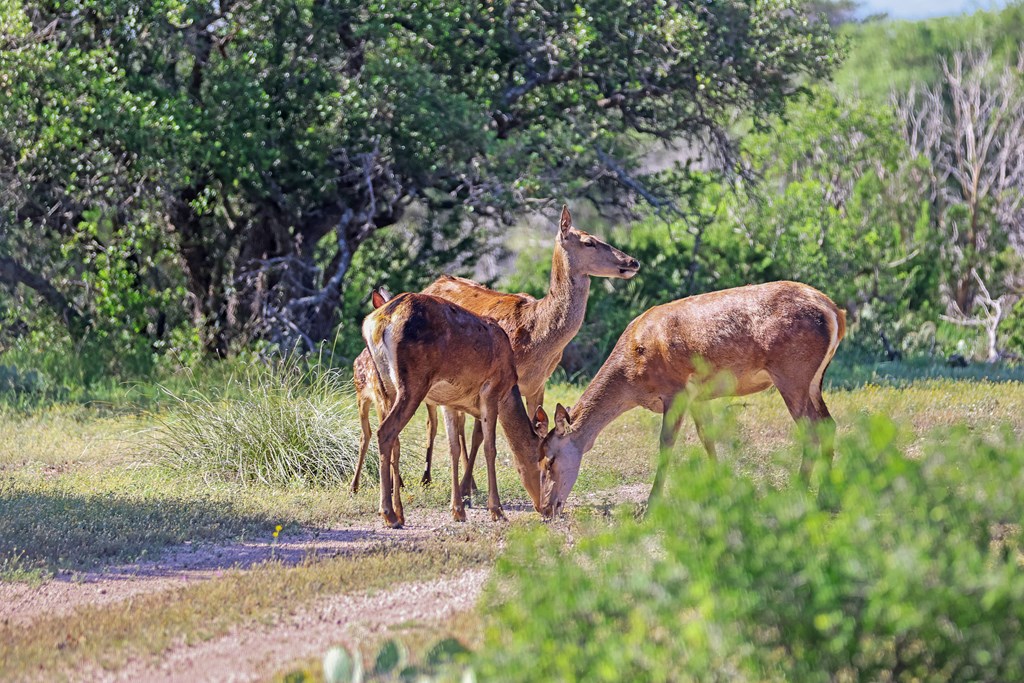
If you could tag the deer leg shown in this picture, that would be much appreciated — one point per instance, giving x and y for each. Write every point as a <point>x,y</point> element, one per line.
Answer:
<point>396,493</point>
<point>488,425</point>
<point>670,421</point>
<point>699,411</point>
<point>824,435</point>
<point>431,435</point>
<point>451,427</point>
<point>402,410</point>
<point>468,481</point>
<point>364,423</point>
<point>795,391</point>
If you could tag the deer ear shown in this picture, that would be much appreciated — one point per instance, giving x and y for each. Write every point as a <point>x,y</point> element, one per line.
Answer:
<point>562,420</point>
<point>379,297</point>
<point>566,221</point>
<point>541,422</point>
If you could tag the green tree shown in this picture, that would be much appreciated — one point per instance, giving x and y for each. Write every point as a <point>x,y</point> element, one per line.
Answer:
<point>267,142</point>
<point>839,204</point>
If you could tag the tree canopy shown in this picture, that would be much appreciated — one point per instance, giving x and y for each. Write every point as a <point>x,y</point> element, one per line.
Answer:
<point>234,156</point>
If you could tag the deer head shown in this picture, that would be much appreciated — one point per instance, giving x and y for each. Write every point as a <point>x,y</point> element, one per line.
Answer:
<point>589,255</point>
<point>559,462</point>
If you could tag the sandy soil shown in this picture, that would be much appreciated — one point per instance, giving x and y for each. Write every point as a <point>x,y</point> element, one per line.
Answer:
<point>21,604</point>
<point>253,653</point>
<point>256,651</point>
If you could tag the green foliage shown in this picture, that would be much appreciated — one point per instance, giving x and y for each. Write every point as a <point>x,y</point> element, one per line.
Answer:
<point>282,424</point>
<point>916,577</point>
<point>837,207</point>
<point>442,662</point>
<point>1013,329</point>
<point>18,384</point>
<point>340,666</point>
<point>887,56</point>
<point>244,154</point>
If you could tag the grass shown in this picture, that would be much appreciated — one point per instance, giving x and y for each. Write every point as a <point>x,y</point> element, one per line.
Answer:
<point>77,490</point>
<point>849,374</point>
<point>81,486</point>
<point>105,637</point>
<point>282,425</point>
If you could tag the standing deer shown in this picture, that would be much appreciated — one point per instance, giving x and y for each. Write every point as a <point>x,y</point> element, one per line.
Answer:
<point>781,333</point>
<point>539,329</point>
<point>426,348</point>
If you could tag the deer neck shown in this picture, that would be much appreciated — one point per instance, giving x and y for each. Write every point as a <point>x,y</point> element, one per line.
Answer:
<point>560,313</point>
<point>606,398</point>
<point>523,441</point>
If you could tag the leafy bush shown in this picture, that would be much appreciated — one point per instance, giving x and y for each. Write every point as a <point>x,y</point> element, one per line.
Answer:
<point>917,577</point>
<point>279,424</point>
<point>1013,330</point>
<point>18,383</point>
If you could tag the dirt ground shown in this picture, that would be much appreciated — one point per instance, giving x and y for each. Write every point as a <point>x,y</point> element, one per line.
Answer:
<point>252,652</point>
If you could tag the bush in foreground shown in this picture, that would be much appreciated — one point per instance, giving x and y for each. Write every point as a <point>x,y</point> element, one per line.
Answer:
<point>276,425</point>
<point>917,577</point>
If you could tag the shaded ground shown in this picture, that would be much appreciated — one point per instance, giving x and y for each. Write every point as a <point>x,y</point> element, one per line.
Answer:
<point>21,603</point>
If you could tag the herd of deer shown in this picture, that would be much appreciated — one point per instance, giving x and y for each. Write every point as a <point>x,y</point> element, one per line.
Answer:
<point>468,349</point>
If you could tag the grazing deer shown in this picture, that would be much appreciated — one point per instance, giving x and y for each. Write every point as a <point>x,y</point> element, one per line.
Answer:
<point>426,348</point>
<point>781,333</point>
<point>539,329</point>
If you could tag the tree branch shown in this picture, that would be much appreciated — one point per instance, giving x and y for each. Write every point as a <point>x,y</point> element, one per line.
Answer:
<point>13,273</point>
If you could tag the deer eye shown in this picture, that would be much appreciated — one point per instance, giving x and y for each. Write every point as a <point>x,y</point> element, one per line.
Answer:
<point>588,243</point>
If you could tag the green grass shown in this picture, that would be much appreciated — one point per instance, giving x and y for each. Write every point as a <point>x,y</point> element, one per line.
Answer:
<point>82,487</point>
<point>79,490</point>
<point>849,374</point>
<point>276,425</point>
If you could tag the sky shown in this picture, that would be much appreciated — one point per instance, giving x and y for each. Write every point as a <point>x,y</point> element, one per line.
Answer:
<point>920,9</point>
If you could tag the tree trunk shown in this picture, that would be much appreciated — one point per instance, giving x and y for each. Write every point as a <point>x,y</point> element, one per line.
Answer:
<point>14,274</point>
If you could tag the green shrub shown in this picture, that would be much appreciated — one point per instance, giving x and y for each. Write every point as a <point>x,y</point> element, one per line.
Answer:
<point>916,577</point>
<point>16,382</point>
<point>279,424</point>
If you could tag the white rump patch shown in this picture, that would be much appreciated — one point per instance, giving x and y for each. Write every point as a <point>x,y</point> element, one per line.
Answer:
<point>815,392</point>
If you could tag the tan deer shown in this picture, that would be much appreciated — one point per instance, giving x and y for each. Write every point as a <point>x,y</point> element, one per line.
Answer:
<point>424,348</point>
<point>780,334</point>
<point>539,329</point>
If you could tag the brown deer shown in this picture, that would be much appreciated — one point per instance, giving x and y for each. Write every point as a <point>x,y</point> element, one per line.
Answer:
<point>780,334</point>
<point>424,348</point>
<point>539,329</point>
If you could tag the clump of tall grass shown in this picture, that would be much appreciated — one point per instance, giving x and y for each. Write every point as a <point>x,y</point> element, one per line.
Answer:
<point>277,424</point>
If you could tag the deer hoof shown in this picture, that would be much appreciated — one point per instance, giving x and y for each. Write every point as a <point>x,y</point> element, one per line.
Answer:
<point>425,481</point>
<point>459,514</point>
<point>498,515</point>
<point>391,519</point>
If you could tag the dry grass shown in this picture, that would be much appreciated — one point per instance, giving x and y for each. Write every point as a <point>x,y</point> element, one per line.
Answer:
<point>105,637</point>
<point>76,489</point>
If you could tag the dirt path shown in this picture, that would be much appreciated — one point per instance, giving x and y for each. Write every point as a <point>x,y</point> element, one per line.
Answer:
<point>21,604</point>
<point>253,653</point>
